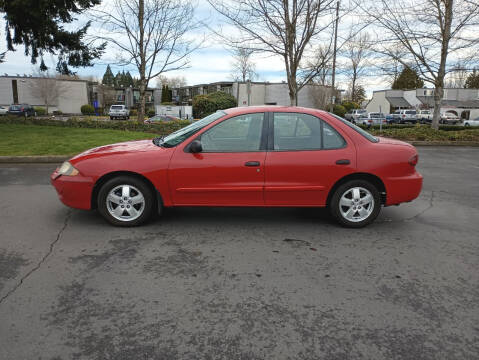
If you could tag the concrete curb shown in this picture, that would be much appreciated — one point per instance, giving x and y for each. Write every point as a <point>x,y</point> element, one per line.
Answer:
<point>58,159</point>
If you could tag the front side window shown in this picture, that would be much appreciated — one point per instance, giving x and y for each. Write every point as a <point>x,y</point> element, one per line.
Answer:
<point>181,135</point>
<point>238,134</point>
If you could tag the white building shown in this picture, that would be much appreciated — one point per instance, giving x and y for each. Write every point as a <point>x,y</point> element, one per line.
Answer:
<point>254,93</point>
<point>72,94</point>
<point>463,102</point>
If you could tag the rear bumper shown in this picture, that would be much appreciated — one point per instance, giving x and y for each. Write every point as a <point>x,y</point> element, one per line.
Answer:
<point>73,191</point>
<point>403,189</point>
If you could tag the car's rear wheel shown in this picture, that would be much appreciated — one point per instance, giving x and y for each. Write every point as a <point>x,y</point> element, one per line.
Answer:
<point>355,203</point>
<point>126,201</point>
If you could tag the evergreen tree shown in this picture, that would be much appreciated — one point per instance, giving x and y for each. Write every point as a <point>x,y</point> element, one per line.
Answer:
<point>128,80</point>
<point>118,81</point>
<point>407,80</point>
<point>472,81</point>
<point>108,78</point>
<point>42,28</point>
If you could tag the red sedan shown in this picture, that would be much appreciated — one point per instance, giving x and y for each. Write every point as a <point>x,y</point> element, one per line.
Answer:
<point>254,156</point>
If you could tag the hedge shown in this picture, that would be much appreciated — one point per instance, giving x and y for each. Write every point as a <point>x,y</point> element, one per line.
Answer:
<point>163,128</point>
<point>40,110</point>
<point>204,105</point>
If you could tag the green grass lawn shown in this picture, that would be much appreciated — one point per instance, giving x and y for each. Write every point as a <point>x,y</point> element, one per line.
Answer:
<point>16,140</point>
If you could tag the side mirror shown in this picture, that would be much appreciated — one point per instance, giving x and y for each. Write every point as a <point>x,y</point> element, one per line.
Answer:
<point>195,147</point>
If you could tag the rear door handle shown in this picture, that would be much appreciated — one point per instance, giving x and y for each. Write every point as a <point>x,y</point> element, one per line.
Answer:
<point>343,162</point>
<point>251,163</point>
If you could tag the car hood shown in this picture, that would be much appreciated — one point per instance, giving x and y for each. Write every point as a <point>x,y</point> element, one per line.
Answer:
<point>389,141</point>
<point>127,147</point>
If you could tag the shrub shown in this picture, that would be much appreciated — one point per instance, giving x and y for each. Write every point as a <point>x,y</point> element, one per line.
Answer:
<point>150,112</point>
<point>133,112</point>
<point>57,112</point>
<point>168,103</point>
<point>40,110</point>
<point>339,110</point>
<point>349,105</point>
<point>87,110</point>
<point>203,105</point>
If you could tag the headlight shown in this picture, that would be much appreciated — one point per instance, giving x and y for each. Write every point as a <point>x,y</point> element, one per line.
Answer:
<point>67,169</point>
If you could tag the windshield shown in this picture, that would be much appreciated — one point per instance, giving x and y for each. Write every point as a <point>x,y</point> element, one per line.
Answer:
<point>181,135</point>
<point>357,128</point>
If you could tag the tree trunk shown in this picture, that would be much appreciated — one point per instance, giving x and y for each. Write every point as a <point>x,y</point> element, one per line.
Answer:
<point>141,107</point>
<point>439,83</point>
<point>438,94</point>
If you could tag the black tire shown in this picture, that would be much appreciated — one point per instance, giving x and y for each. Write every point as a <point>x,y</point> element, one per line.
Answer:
<point>335,210</point>
<point>150,200</point>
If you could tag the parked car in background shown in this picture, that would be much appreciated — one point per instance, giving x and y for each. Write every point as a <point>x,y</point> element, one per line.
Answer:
<point>473,122</point>
<point>22,110</point>
<point>373,118</point>
<point>354,114</point>
<point>424,116</point>
<point>248,156</point>
<point>407,116</point>
<point>119,112</point>
<point>158,118</point>
<point>3,110</point>
<point>449,118</point>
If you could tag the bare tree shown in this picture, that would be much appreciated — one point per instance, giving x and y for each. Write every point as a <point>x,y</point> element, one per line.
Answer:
<point>432,35</point>
<point>45,87</point>
<point>243,68</point>
<point>106,96</point>
<point>171,81</point>
<point>357,51</point>
<point>280,27</point>
<point>150,34</point>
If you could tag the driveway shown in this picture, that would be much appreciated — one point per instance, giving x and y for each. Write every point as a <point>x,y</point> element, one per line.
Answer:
<point>243,283</point>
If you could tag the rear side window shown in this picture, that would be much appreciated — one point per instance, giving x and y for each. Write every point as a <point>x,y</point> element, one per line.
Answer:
<point>296,131</point>
<point>364,133</point>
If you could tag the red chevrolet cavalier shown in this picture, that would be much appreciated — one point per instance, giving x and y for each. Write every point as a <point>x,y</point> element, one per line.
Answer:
<point>253,156</point>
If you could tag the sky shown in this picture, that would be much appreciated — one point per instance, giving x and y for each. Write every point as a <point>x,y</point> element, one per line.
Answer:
<point>211,63</point>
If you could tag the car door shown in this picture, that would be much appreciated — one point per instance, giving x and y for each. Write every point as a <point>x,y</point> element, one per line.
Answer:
<point>229,171</point>
<point>306,158</point>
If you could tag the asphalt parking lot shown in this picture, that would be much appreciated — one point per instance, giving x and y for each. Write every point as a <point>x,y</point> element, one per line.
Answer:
<point>243,283</point>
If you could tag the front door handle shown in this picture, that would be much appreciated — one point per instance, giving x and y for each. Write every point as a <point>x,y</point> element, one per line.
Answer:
<point>251,163</point>
<point>343,162</point>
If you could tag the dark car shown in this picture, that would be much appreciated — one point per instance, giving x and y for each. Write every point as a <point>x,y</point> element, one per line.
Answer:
<point>22,110</point>
<point>158,118</point>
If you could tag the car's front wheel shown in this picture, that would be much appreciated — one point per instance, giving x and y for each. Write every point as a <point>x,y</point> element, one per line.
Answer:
<point>126,201</point>
<point>355,203</point>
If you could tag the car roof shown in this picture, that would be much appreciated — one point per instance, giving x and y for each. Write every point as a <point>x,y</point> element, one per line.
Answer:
<point>271,108</point>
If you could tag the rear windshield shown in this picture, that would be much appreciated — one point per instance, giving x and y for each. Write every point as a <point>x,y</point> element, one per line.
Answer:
<point>411,112</point>
<point>357,129</point>
<point>117,107</point>
<point>14,107</point>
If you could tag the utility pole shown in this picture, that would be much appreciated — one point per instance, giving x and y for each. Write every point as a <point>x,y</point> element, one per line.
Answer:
<point>331,107</point>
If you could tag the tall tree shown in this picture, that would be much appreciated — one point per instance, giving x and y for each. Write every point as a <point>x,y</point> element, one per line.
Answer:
<point>280,27</point>
<point>427,33</point>
<point>151,35</point>
<point>408,79</point>
<point>243,68</point>
<point>472,81</point>
<point>41,27</point>
<point>108,78</point>
<point>358,52</point>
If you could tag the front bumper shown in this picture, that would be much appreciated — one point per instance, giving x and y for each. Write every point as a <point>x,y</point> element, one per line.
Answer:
<point>73,191</point>
<point>403,189</point>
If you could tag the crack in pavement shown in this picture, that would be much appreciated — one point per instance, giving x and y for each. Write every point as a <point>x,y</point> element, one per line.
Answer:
<point>44,258</point>
<point>431,204</point>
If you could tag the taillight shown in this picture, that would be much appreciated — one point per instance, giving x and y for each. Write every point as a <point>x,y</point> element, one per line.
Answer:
<point>404,116</point>
<point>21,109</point>
<point>370,121</point>
<point>413,160</point>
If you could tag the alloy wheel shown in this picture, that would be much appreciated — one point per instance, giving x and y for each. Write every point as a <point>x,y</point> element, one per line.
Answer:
<point>356,204</point>
<point>125,202</point>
